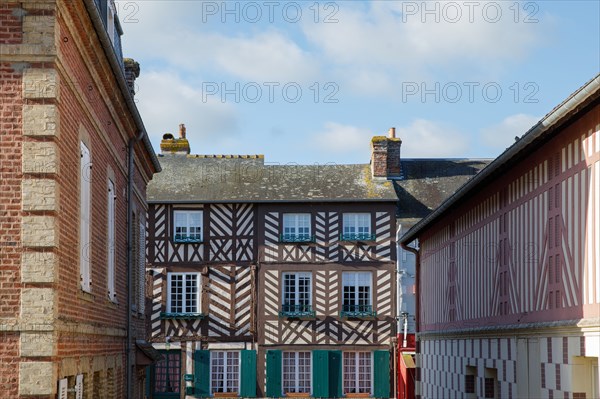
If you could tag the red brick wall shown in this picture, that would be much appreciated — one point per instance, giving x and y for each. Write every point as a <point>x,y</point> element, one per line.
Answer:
<point>10,189</point>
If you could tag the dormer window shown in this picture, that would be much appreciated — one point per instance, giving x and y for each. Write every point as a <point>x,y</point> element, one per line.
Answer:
<point>187,226</point>
<point>110,21</point>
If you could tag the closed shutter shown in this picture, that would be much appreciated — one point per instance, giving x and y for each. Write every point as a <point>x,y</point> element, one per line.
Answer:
<point>320,374</point>
<point>274,373</point>
<point>248,374</point>
<point>381,374</point>
<point>141,264</point>
<point>84,215</point>
<point>202,374</point>
<point>335,374</point>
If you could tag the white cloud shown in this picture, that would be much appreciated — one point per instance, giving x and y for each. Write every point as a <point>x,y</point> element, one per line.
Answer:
<point>335,137</point>
<point>171,35</point>
<point>165,100</point>
<point>502,135</point>
<point>392,41</point>
<point>421,139</point>
<point>427,139</point>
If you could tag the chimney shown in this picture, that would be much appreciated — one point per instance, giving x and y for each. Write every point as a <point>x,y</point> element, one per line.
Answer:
<point>172,145</point>
<point>132,71</point>
<point>385,155</point>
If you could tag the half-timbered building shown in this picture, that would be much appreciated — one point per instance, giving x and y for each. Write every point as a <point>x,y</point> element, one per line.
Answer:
<point>509,270</point>
<point>276,280</point>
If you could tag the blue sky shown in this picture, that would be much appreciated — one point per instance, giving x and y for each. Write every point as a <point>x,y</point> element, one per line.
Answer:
<point>312,82</point>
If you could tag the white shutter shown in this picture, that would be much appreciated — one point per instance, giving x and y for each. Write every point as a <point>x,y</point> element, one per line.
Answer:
<point>63,385</point>
<point>84,233</point>
<point>79,386</point>
<point>142,268</point>
<point>112,294</point>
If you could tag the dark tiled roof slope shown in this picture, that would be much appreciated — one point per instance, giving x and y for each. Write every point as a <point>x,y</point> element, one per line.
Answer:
<point>189,179</point>
<point>203,179</point>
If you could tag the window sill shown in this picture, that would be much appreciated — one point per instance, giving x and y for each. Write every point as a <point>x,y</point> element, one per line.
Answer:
<point>187,241</point>
<point>226,394</point>
<point>297,394</point>
<point>182,316</point>
<point>300,316</point>
<point>86,296</point>
<point>358,395</point>
<point>359,315</point>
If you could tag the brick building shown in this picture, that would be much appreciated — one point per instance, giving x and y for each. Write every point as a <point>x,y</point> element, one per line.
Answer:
<point>70,233</point>
<point>509,268</point>
<point>280,280</point>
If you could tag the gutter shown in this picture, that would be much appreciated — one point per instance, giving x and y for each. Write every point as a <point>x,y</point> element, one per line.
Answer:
<point>550,121</point>
<point>120,77</point>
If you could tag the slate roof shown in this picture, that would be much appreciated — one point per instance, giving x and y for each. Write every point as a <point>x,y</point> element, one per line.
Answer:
<point>201,178</point>
<point>426,183</point>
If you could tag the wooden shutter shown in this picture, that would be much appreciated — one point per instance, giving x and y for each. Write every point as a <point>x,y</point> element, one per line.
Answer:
<point>248,374</point>
<point>84,215</point>
<point>335,374</point>
<point>141,264</point>
<point>320,363</point>
<point>202,374</point>
<point>274,389</point>
<point>381,374</point>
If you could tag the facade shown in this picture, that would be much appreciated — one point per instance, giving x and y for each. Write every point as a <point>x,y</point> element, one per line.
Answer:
<point>509,268</point>
<point>268,280</point>
<point>280,280</point>
<point>65,315</point>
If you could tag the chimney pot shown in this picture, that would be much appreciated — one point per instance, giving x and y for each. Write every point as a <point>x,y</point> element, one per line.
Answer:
<point>132,72</point>
<point>182,131</point>
<point>392,133</point>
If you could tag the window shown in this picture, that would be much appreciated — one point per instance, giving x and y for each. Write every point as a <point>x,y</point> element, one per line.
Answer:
<point>297,295</point>
<point>183,295</point>
<point>187,226</point>
<point>357,372</point>
<point>296,372</point>
<point>167,373</point>
<point>296,227</point>
<point>356,291</point>
<point>224,371</point>
<point>85,178</point>
<point>110,275</point>
<point>470,387</point>
<point>357,226</point>
<point>141,265</point>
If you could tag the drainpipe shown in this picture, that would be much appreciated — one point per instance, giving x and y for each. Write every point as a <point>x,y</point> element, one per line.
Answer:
<point>130,348</point>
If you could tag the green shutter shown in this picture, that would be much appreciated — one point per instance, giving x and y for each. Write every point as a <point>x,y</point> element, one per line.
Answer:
<point>202,374</point>
<point>149,374</point>
<point>320,361</point>
<point>335,374</point>
<point>381,374</point>
<point>274,374</point>
<point>248,371</point>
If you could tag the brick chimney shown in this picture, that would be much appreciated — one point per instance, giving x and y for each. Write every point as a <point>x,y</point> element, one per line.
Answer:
<point>132,72</point>
<point>385,155</point>
<point>172,145</point>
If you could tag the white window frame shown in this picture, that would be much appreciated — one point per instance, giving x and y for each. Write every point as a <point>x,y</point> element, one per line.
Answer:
<point>355,380</point>
<point>110,20</point>
<point>356,223</point>
<point>295,358</point>
<point>142,268</point>
<point>226,373</point>
<point>188,225</point>
<point>85,203</point>
<point>294,222</point>
<point>296,292</point>
<point>183,293</point>
<point>351,279</point>
<point>110,275</point>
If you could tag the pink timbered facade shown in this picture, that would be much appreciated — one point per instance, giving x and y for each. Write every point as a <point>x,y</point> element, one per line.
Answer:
<point>508,274</point>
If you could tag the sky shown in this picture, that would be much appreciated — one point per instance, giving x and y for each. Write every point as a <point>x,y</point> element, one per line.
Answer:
<point>310,82</point>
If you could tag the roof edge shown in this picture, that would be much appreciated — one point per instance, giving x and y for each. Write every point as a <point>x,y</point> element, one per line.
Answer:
<point>551,121</point>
